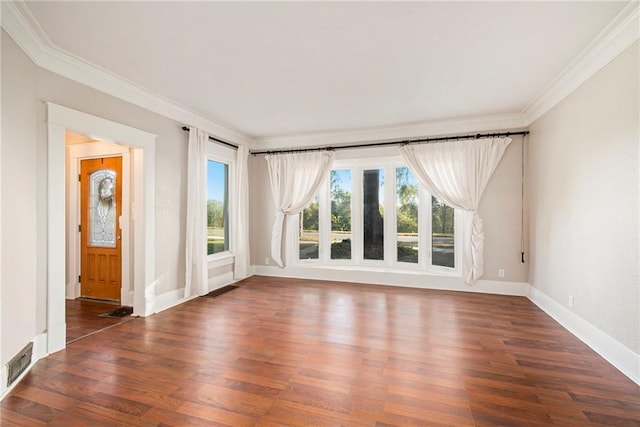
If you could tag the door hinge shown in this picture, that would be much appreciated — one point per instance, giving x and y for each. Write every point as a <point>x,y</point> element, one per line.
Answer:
<point>79,178</point>
<point>79,279</point>
<point>79,228</point>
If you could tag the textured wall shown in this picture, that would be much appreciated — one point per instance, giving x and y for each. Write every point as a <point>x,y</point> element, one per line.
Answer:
<point>584,186</point>
<point>26,88</point>
<point>20,250</point>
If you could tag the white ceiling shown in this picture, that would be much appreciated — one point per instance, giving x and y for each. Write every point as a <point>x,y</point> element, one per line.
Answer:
<point>283,68</point>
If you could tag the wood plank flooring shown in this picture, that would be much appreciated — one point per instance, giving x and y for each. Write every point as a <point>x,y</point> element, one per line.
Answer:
<point>83,317</point>
<point>295,352</point>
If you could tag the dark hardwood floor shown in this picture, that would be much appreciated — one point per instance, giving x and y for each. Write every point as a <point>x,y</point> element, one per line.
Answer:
<point>307,353</point>
<point>83,317</point>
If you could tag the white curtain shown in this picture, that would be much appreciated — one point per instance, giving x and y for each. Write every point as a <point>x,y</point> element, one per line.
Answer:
<point>295,178</point>
<point>457,173</point>
<point>240,220</point>
<point>196,239</point>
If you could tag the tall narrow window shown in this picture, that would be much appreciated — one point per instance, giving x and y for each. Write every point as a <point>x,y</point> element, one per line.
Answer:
<point>442,234</point>
<point>309,231</point>
<point>217,207</point>
<point>373,214</point>
<point>407,215</point>
<point>341,214</point>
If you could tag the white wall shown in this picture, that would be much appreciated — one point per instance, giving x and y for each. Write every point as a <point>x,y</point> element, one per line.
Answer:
<point>24,190</point>
<point>584,196</point>
<point>500,209</point>
<point>170,166</point>
<point>19,181</point>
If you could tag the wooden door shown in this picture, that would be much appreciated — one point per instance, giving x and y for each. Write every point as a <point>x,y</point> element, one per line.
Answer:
<point>100,234</point>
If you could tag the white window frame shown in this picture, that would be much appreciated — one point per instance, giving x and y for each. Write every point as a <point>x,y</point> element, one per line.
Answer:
<point>222,154</point>
<point>390,263</point>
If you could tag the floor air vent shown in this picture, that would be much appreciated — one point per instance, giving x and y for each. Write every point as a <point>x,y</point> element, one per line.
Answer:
<point>19,363</point>
<point>220,291</point>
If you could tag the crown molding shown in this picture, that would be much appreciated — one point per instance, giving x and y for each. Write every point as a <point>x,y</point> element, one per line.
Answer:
<point>614,38</point>
<point>396,132</point>
<point>618,35</point>
<point>21,25</point>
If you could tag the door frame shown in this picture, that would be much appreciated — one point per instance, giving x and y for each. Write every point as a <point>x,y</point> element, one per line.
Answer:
<point>59,120</point>
<point>77,153</point>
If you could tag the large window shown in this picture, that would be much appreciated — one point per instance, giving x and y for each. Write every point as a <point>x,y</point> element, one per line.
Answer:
<point>217,207</point>
<point>373,212</point>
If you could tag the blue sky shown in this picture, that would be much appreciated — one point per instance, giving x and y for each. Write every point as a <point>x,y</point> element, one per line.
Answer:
<point>344,181</point>
<point>344,178</point>
<point>216,172</point>
<point>215,180</point>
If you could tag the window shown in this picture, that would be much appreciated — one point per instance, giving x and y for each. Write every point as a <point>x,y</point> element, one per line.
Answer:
<point>373,212</point>
<point>309,231</point>
<point>217,207</point>
<point>340,214</point>
<point>442,234</point>
<point>407,192</point>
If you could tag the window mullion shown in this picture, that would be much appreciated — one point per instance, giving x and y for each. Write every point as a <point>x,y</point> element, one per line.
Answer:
<point>424,227</point>
<point>390,217</point>
<point>324,224</point>
<point>357,229</point>
<point>457,239</point>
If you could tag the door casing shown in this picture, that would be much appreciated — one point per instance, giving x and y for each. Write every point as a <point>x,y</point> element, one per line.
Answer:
<point>59,120</point>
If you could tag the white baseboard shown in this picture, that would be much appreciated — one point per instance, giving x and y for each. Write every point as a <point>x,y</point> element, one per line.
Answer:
<point>39,351</point>
<point>176,297</point>
<point>217,282</point>
<point>171,299</point>
<point>408,279</point>
<point>73,290</point>
<point>40,344</point>
<point>620,356</point>
<point>126,297</point>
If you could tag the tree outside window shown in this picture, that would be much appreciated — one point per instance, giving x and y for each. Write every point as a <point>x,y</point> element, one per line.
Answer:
<point>356,234</point>
<point>217,207</point>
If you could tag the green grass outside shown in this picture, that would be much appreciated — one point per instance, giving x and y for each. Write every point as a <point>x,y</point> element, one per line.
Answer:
<point>215,240</point>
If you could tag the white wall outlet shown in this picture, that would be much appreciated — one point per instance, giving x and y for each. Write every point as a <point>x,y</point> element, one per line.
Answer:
<point>267,261</point>
<point>501,272</point>
<point>571,301</point>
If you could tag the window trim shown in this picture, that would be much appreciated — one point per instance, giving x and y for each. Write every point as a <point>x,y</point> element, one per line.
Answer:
<point>390,263</point>
<point>221,154</point>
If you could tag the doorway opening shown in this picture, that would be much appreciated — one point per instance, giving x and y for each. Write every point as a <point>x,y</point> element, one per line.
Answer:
<point>98,291</point>
<point>141,148</point>
<point>81,150</point>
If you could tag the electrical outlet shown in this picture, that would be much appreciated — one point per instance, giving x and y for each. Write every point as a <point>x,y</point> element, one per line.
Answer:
<point>266,261</point>
<point>501,272</point>
<point>571,301</point>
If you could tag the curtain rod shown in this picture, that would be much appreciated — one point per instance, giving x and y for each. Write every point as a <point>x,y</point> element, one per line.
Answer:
<point>228,144</point>
<point>404,142</point>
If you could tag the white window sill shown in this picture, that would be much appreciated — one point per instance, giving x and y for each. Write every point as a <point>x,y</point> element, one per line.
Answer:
<point>220,260</point>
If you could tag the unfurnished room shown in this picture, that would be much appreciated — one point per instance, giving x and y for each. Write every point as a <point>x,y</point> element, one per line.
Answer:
<point>319,213</point>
